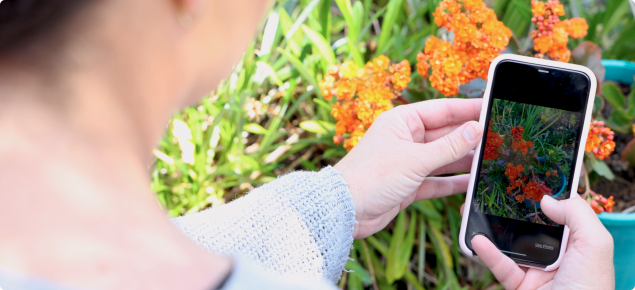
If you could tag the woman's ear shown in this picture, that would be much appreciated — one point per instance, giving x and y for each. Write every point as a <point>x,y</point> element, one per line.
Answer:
<point>186,11</point>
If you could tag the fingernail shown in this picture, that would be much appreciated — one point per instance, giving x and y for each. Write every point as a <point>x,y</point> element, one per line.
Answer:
<point>547,199</point>
<point>471,131</point>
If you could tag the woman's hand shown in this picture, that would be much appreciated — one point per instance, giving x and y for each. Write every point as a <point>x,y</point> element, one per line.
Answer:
<point>389,167</point>
<point>587,264</point>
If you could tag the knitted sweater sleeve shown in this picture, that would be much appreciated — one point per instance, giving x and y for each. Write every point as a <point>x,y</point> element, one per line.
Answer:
<point>301,224</point>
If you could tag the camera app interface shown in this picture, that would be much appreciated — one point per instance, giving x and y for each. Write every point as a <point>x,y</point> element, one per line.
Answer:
<point>529,152</point>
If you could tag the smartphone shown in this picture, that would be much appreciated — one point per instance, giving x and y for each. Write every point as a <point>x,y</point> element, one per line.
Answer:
<point>535,117</point>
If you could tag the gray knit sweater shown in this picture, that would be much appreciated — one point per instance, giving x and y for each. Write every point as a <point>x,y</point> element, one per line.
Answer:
<point>283,234</point>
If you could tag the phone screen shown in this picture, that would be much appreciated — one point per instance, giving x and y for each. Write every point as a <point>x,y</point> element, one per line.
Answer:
<point>530,146</point>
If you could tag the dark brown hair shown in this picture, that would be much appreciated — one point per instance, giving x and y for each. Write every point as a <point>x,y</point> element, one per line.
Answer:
<point>24,22</point>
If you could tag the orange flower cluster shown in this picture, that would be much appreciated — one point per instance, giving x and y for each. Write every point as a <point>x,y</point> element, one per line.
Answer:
<point>375,85</point>
<point>554,172</point>
<point>601,204</point>
<point>519,143</point>
<point>494,141</point>
<point>478,39</point>
<point>534,191</point>
<point>552,35</point>
<point>600,140</point>
<point>514,180</point>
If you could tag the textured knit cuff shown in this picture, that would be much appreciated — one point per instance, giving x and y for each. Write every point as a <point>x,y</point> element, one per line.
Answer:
<point>300,224</point>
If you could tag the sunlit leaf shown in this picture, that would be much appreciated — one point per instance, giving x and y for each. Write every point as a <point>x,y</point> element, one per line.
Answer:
<point>254,128</point>
<point>268,71</point>
<point>394,7</point>
<point>323,104</point>
<point>314,127</point>
<point>323,47</point>
<point>299,66</point>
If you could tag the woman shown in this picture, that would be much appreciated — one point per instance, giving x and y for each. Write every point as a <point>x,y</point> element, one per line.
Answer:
<point>86,89</point>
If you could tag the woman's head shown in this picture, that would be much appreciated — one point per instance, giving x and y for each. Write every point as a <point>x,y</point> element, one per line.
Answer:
<point>109,73</point>
<point>194,41</point>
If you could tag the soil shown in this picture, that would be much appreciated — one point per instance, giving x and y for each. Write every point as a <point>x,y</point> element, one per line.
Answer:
<point>623,187</point>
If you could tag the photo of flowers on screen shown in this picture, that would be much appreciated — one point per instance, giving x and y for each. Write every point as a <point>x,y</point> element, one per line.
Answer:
<point>528,154</point>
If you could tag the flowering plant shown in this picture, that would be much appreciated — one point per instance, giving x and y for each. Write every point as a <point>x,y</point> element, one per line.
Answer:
<point>478,38</point>
<point>362,94</point>
<point>600,140</point>
<point>599,203</point>
<point>552,35</point>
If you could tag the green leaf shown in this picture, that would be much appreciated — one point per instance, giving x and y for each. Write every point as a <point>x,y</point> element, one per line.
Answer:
<point>347,11</point>
<point>317,127</point>
<point>358,14</point>
<point>298,65</point>
<point>602,169</point>
<point>323,47</point>
<point>499,7</point>
<point>628,154</point>
<point>301,18</point>
<point>325,19</point>
<point>619,121</point>
<point>254,128</point>
<point>598,104</point>
<point>268,71</point>
<point>269,34</point>
<point>359,270</point>
<point>323,104</point>
<point>353,31</point>
<point>337,152</point>
<point>613,95</point>
<point>454,219</point>
<point>427,209</point>
<point>615,12</point>
<point>393,265</point>
<point>394,7</point>
<point>378,245</point>
<point>405,251</point>
<point>355,282</point>
<point>516,17</point>
<point>631,102</point>
<point>413,281</point>
<point>441,249</point>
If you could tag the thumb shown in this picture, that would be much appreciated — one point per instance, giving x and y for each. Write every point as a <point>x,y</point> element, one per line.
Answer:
<point>573,212</point>
<point>504,269</point>
<point>451,147</point>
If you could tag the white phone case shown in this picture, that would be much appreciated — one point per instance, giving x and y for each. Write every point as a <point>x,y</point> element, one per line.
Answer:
<point>576,172</point>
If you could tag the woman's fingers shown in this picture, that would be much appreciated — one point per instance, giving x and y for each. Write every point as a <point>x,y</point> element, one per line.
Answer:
<point>423,116</point>
<point>434,134</point>
<point>504,269</point>
<point>434,187</point>
<point>462,165</point>
<point>462,209</point>
<point>449,148</point>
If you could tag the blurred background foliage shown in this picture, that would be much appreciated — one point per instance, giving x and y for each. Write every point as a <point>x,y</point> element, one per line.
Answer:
<point>269,118</point>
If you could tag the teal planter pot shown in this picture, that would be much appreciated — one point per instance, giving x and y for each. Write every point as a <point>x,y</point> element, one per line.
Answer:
<point>622,228</point>
<point>621,225</point>
<point>620,71</point>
